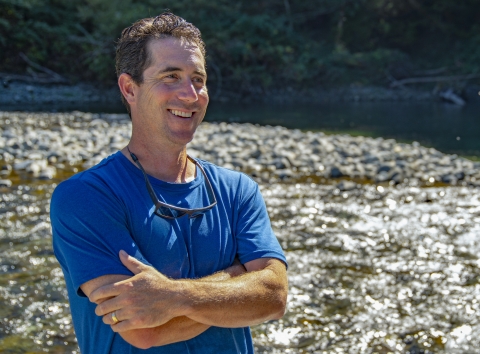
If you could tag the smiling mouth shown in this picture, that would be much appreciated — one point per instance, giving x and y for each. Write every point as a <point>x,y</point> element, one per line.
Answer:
<point>181,114</point>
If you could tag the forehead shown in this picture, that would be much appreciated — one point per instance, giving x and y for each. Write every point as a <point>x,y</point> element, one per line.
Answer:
<point>175,52</point>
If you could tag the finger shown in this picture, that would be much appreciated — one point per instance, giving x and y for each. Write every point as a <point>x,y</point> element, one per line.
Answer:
<point>132,324</point>
<point>107,307</point>
<point>133,265</point>
<point>104,293</point>
<point>108,318</point>
<point>123,326</point>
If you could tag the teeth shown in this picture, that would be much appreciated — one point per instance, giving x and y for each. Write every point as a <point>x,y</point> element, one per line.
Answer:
<point>182,114</point>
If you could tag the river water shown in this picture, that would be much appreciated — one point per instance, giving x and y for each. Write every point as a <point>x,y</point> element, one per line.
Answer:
<point>376,269</point>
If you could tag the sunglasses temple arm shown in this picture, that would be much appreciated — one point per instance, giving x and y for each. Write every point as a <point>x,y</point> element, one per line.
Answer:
<point>147,182</point>
<point>210,188</point>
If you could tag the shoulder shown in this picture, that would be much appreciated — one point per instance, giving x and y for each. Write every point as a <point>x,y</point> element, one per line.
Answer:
<point>227,176</point>
<point>237,187</point>
<point>91,181</point>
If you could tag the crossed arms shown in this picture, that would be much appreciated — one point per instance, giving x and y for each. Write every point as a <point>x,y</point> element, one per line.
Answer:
<point>154,310</point>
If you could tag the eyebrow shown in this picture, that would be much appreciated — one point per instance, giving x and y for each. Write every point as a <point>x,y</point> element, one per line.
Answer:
<point>170,69</point>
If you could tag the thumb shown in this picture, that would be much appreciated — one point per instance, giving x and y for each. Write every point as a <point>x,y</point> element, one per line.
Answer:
<point>133,265</point>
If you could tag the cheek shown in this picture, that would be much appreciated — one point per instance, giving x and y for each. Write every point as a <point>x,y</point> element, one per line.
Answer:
<point>203,95</point>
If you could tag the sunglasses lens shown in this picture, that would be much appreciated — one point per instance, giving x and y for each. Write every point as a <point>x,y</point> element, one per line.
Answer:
<point>196,214</point>
<point>169,213</point>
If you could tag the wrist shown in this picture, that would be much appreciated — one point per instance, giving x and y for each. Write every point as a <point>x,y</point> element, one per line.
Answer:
<point>184,292</point>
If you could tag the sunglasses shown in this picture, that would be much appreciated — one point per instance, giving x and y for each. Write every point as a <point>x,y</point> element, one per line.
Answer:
<point>168,211</point>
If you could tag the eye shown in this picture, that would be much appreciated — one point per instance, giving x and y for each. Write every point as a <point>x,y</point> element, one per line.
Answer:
<point>199,80</point>
<point>170,77</point>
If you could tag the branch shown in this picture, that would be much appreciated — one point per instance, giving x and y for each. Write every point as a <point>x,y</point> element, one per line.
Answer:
<point>422,80</point>
<point>55,76</point>
<point>431,72</point>
<point>30,79</point>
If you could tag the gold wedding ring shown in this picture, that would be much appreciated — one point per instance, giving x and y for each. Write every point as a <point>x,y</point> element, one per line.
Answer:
<point>114,318</point>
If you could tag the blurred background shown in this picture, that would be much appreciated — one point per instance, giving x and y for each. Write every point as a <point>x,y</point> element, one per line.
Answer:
<point>261,46</point>
<point>385,263</point>
<point>407,57</point>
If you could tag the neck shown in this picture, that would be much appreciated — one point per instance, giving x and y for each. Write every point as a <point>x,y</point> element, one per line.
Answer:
<point>168,166</point>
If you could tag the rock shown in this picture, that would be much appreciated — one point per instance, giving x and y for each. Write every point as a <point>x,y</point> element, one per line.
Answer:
<point>450,96</point>
<point>5,183</point>
<point>335,172</point>
<point>21,165</point>
<point>284,174</point>
<point>281,163</point>
<point>384,168</point>
<point>382,177</point>
<point>35,167</point>
<point>449,179</point>
<point>346,186</point>
<point>6,170</point>
<point>36,142</point>
<point>47,173</point>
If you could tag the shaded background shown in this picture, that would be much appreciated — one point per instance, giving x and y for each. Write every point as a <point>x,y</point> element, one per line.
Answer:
<point>373,269</point>
<point>259,47</point>
<point>314,55</point>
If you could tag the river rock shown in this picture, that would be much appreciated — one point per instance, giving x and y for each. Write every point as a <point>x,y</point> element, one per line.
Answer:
<point>5,183</point>
<point>6,170</point>
<point>41,143</point>
<point>346,186</point>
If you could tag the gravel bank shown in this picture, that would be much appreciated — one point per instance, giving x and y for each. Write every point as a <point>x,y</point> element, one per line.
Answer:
<point>42,144</point>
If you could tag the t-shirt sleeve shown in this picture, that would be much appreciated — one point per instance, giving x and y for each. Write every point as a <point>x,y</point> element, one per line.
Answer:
<point>89,229</point>
<point>253,231</point>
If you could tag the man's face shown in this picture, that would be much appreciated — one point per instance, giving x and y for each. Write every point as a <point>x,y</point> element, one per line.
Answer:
<point>172,100</point>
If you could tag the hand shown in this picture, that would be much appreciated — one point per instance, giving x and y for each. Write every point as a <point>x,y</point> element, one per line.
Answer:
<point>148,299</point>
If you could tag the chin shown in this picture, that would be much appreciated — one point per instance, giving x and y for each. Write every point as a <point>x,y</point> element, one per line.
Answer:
<point>182,139</point>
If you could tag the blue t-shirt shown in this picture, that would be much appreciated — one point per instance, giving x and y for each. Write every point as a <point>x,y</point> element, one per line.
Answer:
<point>98,212</point>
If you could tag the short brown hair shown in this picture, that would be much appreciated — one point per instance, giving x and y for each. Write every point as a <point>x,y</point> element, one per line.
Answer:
<point>132,53</point>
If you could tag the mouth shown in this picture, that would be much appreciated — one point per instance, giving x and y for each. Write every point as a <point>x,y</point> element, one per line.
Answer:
<point>181,113</point>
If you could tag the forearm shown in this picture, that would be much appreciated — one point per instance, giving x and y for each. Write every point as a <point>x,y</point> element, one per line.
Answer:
<point>246,300</point>
<point>176,330</point>
<point>149,299</point>
<point>234,270</point>
<point>179,328</point>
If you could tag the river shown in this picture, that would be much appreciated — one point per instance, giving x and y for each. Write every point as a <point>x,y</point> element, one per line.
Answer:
<point>375,269</point>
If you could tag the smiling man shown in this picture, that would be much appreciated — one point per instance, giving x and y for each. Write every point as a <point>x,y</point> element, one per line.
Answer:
<point>163,253</point>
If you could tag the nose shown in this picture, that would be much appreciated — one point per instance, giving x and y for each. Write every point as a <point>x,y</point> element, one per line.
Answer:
<point>187,92</point>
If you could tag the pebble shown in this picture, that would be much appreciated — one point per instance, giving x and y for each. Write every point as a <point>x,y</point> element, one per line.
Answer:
<point>5,183</point>
<point>42,143</point>
<point>5,170</point>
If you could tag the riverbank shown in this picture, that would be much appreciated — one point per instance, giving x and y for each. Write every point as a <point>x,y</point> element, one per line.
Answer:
<point>373,267</point>
<point>53,145</point>
<point>21,96</point>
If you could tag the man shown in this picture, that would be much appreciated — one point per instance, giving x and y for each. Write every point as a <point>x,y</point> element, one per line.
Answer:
<point>161,251</point>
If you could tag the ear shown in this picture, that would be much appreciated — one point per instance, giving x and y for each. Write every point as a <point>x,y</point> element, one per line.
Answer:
<point>127,87</point>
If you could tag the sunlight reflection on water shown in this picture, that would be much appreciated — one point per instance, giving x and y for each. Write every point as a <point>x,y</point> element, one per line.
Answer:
<point>362,274</point>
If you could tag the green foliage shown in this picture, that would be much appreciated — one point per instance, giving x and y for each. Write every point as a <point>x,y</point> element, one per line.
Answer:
<point>41,30</point>
<point>253,46</point>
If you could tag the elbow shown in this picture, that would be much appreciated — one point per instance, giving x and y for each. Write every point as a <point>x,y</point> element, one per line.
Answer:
<point>279,314</point>
<point>140,338</point>
<point>279,305</point>
<point>279,299</point>
<point>281,308</point>
<point>142,345</point>
<point>139,344</point>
